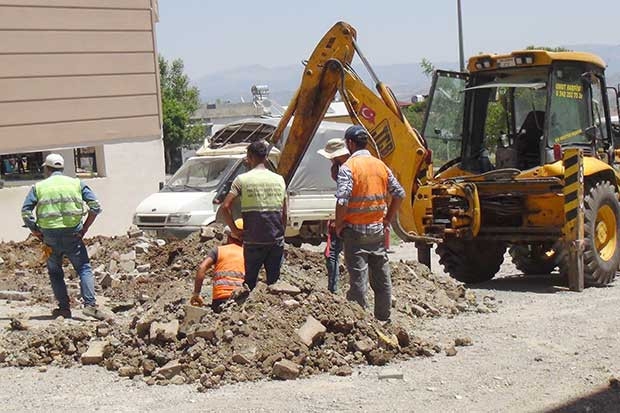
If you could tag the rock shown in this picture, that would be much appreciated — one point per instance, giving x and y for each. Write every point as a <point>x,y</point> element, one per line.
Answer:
<point>419,311</point>
<point>282,287</point>
<point>366,345</point>
<point>18,325</point>
<point>207,233</point>
<point>141,248</point>
<point>128,266</point>
<point>463,341</point>
<point>130,256</point>
<point>143,326</point>
<point>291,303</point>
<point>345,370</point>
<point>164,331</point>
<point>206,332</point>
<point>391,374</point>
<point>285,370</point>
<point>178,379</point>
<point>311,331</point>
<point>42,369</point>
<point>148,367</point>
<point>462,307</point>
<point>93,250</point>
<point>219,370</point>
<point>95,352</point>
<point>20,273</point>
<point>105,281</point>
<point>483,309</point>
<point>269,361</point>
<point>228,335</point>
<point>143,268</point>
<point>614,382</point>
<point>451,351</point>
<point>160,242</point>
<point>240,359</point>
<point>128,371</point>
<point>378,357</point>
<point>403,337</point>
<point>113,267</point>
<point>3,354</point>
<point>170,369</point>
<point>134,232</point>
<point>14,295</point>
<point>193,315</point>
<point>1,262</point>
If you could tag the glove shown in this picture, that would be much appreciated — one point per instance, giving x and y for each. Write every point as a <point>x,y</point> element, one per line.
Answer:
<point>46,252</point>
<point>197,300</point>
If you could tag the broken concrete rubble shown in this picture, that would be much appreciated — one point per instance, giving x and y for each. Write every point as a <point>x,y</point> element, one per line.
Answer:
<point>95,352</point>
<point>285,370</point>
<point>311,331</point>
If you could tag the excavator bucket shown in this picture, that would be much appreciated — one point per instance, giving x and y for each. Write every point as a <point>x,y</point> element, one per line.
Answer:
<point>317,90</point>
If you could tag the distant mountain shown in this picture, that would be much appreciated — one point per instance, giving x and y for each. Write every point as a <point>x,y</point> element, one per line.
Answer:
<point>405,79</point>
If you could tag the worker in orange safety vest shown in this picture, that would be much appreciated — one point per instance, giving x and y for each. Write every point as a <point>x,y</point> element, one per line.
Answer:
<point>228,270</point>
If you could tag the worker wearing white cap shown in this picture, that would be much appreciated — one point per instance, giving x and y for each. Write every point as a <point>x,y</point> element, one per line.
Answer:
<point>336,151</point>
<point>59,203</point>
<point>228,270</point>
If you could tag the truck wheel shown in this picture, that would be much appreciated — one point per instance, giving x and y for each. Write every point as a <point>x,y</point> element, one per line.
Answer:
<point>601,255</point>
<point>471,261</point>
<point>533,260</point>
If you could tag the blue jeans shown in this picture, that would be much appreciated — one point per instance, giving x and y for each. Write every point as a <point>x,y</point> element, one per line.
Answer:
<point>258,255</point>
<point>332,252</point>
<point>65,242</point>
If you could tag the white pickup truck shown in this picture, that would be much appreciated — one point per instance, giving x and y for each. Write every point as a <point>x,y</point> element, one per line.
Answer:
<point>190,199</point>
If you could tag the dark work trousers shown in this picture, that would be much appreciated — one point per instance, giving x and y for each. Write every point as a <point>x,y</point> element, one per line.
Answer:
<point>258,256</point>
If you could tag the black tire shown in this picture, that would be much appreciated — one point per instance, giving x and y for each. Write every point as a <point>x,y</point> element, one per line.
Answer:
<point>534,259</point>
<point>471,261</point>
<point>601,258</point>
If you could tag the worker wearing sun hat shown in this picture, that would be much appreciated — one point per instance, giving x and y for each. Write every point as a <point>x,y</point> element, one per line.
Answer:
<point>228,270</point>
<point>336,151</point>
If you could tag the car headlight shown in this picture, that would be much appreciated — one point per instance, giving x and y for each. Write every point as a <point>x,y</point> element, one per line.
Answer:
<point>180,218</point>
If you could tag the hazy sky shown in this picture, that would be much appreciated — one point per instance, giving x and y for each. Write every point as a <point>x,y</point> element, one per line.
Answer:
<point>211,36</point>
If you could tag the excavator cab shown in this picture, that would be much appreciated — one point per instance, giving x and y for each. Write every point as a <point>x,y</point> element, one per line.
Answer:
<point>516,112</point>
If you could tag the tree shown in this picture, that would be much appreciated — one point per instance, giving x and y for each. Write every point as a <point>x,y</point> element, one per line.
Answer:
<point>549,49</point>
<point>179,101</point>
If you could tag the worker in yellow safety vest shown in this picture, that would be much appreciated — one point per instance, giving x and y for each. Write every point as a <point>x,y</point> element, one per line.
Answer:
<point>228,270</point>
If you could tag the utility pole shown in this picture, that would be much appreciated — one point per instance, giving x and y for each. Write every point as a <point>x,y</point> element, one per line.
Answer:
<point>461,55</point>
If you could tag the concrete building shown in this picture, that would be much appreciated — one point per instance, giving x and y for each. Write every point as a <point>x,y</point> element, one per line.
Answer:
<point>80,77</point>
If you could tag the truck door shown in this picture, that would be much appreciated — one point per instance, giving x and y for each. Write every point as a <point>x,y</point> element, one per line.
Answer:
<point>443,120</point>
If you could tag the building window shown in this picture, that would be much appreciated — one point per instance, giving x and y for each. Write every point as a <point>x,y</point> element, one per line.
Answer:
<point>85,162</point>
<point>19,167</point>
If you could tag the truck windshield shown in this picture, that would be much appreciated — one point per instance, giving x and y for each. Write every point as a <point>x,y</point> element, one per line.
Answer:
<point>200,174</point>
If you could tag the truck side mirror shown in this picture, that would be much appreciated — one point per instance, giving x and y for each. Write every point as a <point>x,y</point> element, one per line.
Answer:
<point>161,185</point>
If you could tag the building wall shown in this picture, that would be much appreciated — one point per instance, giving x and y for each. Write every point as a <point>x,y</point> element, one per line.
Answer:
<point>77,73</point>
<point>133,171</point>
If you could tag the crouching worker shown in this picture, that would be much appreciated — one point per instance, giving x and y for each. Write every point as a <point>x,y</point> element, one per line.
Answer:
<point>228,270</point>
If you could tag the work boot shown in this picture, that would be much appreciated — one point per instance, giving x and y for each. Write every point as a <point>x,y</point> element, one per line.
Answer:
<point>95,312</point>
<point>61,312</point>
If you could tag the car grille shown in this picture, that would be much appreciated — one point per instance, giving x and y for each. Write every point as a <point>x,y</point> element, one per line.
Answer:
<point>151,219</point>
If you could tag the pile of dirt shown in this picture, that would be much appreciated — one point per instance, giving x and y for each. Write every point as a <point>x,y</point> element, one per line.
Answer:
<point>293,329</point>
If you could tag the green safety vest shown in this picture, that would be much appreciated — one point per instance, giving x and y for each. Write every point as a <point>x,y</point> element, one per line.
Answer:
<point>261,191</point>
<point>59,202</point>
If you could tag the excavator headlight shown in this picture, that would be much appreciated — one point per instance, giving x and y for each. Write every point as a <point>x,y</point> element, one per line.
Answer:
<point>486,64</point>
<point>478,65</point>
<point>519,60</point>
<point>529,60</point>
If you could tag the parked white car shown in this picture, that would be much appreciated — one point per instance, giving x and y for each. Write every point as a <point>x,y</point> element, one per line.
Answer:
<point>191,197</point>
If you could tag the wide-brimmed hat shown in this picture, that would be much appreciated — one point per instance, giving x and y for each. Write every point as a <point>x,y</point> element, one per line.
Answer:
<point>54,160</point>
<point>334,148</point>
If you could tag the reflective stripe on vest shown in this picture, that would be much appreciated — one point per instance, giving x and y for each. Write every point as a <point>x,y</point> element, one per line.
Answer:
<point>59,202</point>
<point>262,191</point>
<point>229,271</point>
<point>368,200</point>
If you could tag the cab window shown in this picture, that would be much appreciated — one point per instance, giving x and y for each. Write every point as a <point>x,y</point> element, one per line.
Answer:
<point>568,108</point>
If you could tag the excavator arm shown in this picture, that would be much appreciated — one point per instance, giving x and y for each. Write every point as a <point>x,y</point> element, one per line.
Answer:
<point>394,141</point>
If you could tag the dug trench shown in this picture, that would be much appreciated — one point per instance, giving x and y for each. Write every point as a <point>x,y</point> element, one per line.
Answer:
<point>295,328</point>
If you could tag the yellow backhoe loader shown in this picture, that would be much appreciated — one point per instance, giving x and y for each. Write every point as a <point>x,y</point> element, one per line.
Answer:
<point>518,153</point>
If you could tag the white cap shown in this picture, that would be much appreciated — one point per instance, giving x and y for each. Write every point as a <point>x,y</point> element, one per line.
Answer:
<point>334,148</point>
<point>54,160</point>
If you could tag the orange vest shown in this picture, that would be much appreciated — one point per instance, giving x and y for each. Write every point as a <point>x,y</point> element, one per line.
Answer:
<point>368,201</point>
<point>229,271</point>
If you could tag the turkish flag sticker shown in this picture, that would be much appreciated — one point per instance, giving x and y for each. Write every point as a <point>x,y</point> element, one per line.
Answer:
<point>367,113</point>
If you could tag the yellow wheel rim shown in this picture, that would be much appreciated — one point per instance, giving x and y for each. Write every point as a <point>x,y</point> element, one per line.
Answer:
<point>605,236</point>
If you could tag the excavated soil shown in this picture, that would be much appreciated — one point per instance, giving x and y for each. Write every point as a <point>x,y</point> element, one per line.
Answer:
<point>146,283</point>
